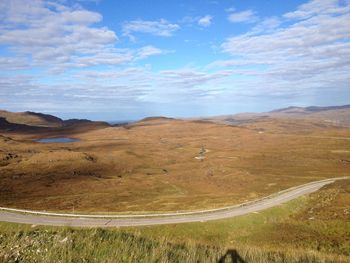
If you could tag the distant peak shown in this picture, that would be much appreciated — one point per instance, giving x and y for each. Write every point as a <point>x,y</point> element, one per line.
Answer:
<point>157,118</point>
<point>310,109</point>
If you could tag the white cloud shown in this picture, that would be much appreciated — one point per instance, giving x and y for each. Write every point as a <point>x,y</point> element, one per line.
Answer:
<point>310,52</point>
<point>158,28</point>
<point>147,51</point>
<point>103,58</point>
<point>230,9</point>
<point>247,16</point>
<point>53,35</point>
<point>57,37</point>
<point>10,63</point>
<point>318,7</point>
<point>205,21</point>
<point>267,25</point>
<point>189,84</point>
<point>56,44</point>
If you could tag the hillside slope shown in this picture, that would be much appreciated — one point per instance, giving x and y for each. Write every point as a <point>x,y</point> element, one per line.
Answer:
<point>31,119</point>
<point>333,115</point>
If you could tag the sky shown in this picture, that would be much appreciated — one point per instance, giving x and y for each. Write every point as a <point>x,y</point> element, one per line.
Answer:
<point>128,59</point>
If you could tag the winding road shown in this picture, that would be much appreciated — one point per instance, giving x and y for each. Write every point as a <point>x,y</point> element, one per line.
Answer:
<point>77,220</point>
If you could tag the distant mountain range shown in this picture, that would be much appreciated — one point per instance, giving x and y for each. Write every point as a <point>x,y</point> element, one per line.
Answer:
<point>335,115</point>
<point>18,121</point>
<point>311,109</point>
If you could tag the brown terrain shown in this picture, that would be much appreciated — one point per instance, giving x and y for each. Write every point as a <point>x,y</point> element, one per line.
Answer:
<point>162,164</point>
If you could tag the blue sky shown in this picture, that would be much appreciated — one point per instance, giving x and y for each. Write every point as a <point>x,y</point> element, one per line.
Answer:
<point>123,60</point>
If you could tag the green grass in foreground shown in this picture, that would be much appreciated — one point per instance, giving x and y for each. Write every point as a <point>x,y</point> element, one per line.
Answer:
<point>233,231</point>
<point>45,244</point>
<point>319,222</point>
<point>93,245</point>
<point>270,229</point>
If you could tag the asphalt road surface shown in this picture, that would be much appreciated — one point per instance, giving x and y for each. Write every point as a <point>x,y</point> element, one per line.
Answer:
<point>56,219</point>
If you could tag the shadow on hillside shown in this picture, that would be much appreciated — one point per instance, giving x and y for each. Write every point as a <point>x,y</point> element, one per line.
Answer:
<point>231,256</point>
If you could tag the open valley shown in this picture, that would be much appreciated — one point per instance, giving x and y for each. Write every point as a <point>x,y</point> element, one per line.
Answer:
<point>167,165</point>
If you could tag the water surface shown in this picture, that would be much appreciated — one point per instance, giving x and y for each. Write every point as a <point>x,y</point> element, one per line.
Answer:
<point>57,140</point>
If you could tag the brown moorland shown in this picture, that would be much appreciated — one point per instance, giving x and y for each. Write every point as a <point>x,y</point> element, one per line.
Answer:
<point>161,164</point>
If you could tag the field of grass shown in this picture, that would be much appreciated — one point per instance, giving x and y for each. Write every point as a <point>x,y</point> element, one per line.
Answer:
<point>151,165</point>
<point>72,245</point>
<point>282,234</point>
<point>22,244</point>
<point>269,230</point>
<point>319,222</point>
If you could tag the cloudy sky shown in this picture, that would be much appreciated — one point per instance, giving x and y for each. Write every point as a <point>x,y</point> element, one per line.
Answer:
<point>127,59</point>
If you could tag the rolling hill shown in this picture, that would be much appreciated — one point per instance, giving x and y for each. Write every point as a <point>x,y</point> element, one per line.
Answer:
<point>33,121</point>
<point>332,115</point>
